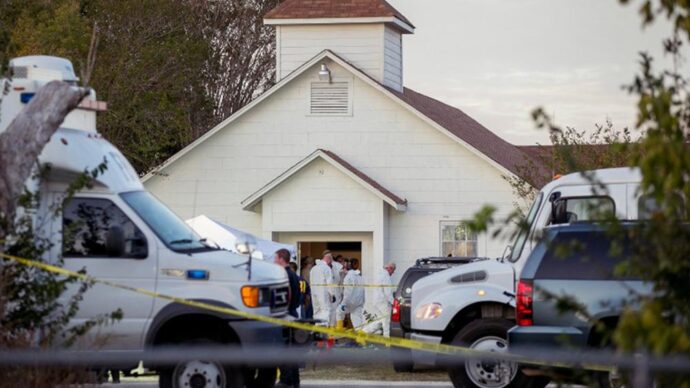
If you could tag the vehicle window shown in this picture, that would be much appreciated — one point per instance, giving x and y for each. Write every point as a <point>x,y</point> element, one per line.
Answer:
<point>411,279</point>
<point>586,255</point>
<point>457,239</point>
<point>86,223</point>
<point>521,238</point>
<point>647,205</point>
<point>168,227</point>
<point>588,208</point>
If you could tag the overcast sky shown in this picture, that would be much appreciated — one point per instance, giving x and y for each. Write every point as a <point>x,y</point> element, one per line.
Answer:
<point>497,60</point>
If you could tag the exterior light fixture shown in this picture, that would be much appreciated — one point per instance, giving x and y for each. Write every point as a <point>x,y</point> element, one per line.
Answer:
<point>324,73</point>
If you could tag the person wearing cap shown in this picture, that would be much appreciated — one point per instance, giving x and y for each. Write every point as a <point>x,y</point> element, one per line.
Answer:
<point>323,290</point>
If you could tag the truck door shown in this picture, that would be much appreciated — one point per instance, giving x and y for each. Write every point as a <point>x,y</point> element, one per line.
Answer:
<point>580,199</point>
<point>110,243</point>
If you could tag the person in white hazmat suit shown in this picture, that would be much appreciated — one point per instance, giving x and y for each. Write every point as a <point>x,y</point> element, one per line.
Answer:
<point>338,276</point>
<point>382,302</point>
<point>353,298</point>
<point>323,291</point>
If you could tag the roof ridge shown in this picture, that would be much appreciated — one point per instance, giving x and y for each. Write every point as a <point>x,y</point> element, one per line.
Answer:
<point>333,9</point>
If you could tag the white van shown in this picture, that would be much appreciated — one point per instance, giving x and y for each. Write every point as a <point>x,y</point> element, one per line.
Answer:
<point>474,304</point>
<point>119,232</point>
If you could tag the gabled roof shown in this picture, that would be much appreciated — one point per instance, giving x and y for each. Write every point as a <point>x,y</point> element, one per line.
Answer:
<point>445,118</point>
<point>335,9</point>
<point>466,128</point>
<point>341,165</point>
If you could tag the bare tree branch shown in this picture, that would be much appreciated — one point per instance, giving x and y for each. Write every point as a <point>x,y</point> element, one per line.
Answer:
<point>26,136</point>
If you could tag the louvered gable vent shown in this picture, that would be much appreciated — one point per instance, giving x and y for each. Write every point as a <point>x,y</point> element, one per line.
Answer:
<point>330,98</point>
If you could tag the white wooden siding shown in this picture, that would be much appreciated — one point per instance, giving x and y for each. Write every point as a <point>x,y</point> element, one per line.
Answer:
<point>360,44</point>
<point>440,178</point>
<point>392,59</point>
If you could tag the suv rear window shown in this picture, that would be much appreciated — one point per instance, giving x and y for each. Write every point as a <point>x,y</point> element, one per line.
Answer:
<point>585,255</point>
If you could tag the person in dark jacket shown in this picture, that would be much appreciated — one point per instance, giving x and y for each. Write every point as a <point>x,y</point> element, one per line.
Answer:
<point>306,311</point>
<point>289,375</point>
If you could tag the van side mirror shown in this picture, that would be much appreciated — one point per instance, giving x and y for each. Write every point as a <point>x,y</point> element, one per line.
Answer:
<point>115,242</point>
<point>140,249</point>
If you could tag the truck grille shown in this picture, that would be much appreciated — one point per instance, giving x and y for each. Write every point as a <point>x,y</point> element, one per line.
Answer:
<point>280,298</point>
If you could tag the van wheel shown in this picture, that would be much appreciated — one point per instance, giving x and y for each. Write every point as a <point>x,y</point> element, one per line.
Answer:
<point>260,377</point>
<point>200,373</point>
<point>489,335</point>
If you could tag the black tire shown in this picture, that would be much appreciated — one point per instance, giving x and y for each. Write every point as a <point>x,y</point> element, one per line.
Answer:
<point>259,377</point>
<point>233,374</point>
<point>403,360</point>
<point>489,329</point>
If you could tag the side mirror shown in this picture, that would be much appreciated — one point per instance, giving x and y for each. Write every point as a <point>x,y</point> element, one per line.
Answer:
<point>139,247</point>
<point>115,242</point>
<point>559,212</point>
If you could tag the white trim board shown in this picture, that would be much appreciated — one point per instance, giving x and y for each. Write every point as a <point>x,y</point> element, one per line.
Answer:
<point>250,202</point>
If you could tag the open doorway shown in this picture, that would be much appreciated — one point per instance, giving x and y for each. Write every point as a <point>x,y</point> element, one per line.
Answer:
<point>310,251</point>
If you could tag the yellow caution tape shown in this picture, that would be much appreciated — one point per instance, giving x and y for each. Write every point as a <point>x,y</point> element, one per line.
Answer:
<point>355,285</point>
<point>342,333</point>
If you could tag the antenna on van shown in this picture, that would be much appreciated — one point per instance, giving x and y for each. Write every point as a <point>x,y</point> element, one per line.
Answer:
<point>247,247</point>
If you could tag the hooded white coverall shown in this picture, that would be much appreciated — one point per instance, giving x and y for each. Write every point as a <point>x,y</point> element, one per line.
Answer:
<point>337,289</point>
<point>353,299</point>
<point>323,297</point>
<point>382,303</point>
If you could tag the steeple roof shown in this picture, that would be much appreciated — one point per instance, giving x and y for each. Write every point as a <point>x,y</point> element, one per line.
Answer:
<point>335,9</point>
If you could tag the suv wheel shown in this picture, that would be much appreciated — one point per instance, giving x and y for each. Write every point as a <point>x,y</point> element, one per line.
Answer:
<point>404,363</point>
<point>489,335</point>
<point>200,373</point>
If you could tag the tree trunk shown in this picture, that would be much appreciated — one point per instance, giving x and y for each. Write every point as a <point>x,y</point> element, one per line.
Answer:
<point>26,136</point>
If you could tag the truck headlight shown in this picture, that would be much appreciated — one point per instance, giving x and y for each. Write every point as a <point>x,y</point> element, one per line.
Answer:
<point>428,311</point>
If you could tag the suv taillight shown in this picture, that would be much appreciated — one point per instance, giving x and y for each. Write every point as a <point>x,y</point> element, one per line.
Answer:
<point>395,313</point>
<point>523,305</point>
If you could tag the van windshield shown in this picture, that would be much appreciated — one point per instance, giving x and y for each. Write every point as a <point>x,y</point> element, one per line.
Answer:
<point>521,238</point>
<point>175,234</point>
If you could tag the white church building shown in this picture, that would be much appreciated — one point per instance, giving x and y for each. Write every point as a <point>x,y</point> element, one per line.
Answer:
<point>340,155</point>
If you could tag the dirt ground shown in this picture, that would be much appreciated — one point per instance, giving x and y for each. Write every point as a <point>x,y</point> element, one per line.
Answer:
<point>380,372</point>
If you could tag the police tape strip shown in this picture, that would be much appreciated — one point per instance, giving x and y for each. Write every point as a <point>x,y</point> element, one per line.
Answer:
<point>342,333</point>
<point>355,285</point>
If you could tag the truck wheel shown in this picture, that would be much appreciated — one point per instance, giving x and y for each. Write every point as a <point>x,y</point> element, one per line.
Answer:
<point>403,365</point>
<point>198,373</point>
<point>260,377</point>
<point>489,335</point>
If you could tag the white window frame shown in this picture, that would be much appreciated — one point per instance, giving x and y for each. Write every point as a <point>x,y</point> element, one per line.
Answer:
<point>467,239</point>
<point>350,97</point>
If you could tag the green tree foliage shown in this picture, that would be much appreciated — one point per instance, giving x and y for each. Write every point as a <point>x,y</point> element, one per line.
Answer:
<point>662,326</point>
<point>169,69</point>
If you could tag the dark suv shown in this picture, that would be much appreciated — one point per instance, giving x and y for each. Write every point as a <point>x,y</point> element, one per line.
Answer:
<point>400,316</point>
<point>576,262</point>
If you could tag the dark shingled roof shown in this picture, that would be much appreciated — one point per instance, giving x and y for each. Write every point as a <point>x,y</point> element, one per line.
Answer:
<point>325,9</point>
<point>364,177</point>
<point>466,129</point>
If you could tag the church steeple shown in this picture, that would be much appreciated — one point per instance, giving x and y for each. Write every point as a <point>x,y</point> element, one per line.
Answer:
<point>367,33</point>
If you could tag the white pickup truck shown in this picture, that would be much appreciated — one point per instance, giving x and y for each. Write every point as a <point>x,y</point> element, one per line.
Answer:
<point>474,304</point>
<point>119,232</point>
